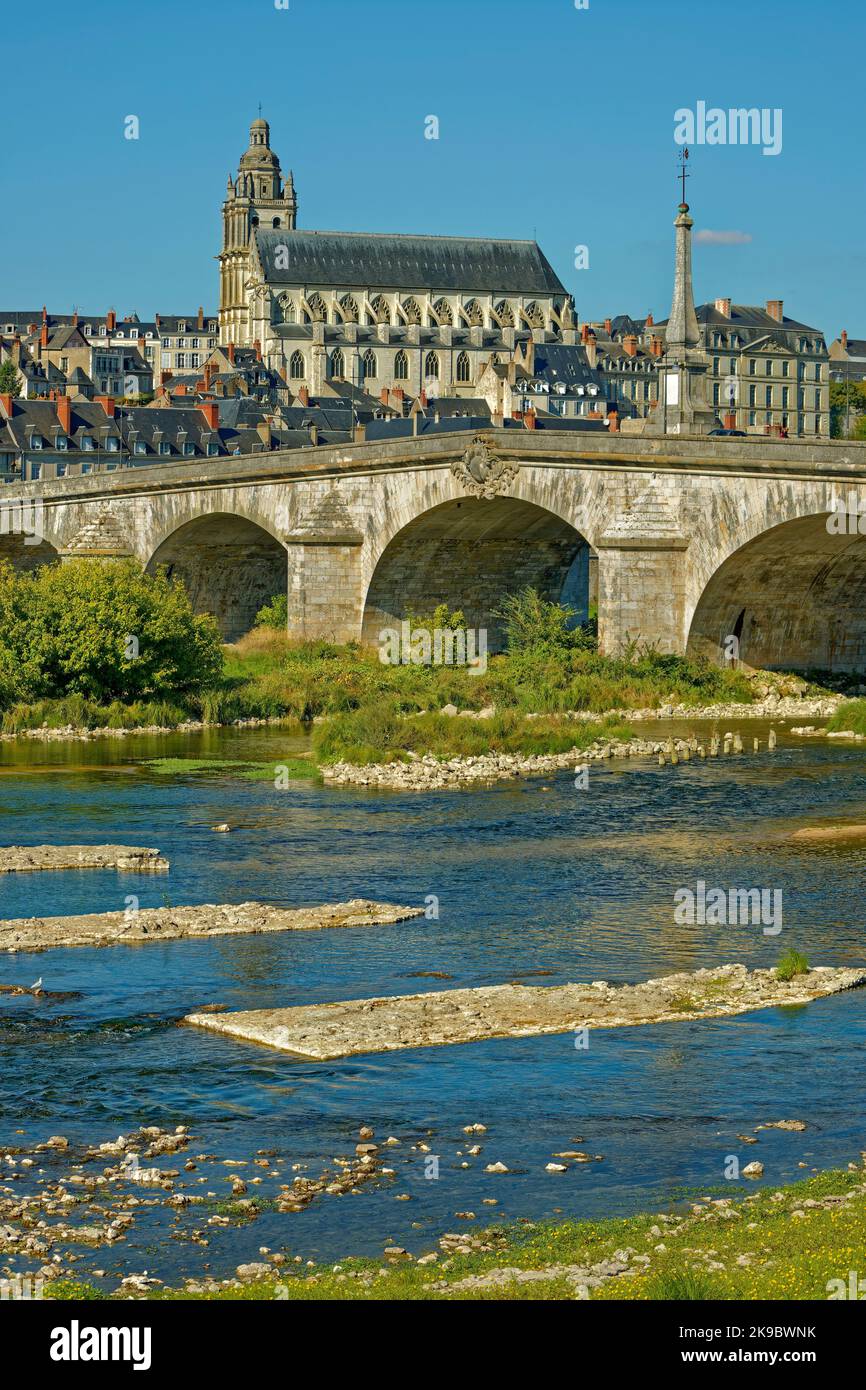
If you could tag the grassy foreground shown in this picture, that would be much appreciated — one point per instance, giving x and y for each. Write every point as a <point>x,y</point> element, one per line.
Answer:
<point>775,1243</point>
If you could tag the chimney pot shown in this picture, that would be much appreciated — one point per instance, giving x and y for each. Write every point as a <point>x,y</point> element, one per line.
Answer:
<point>845,338</point>
<point>629,344</point>
<point>211,412</point>
<point>304,395</point>
<point>7,402</point>
<point>774,309</point>
<point>111,320</point>
<point>64,413</point>
<point>107,403</point>
<point>230,351</point>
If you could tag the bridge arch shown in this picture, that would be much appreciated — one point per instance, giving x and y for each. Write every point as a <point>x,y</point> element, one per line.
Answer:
<point>230,565</point>
<point>469,553</point>
<point>25,553</point>
<point>794,596</point>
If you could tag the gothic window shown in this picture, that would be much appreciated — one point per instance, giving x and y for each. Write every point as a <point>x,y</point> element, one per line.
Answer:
<point>337,364</point>
<point>349,309</point>
<point>318,308</point>
<point>533,315</point>
<point>431,364</point>
<point>464,370</point>
<point>381,309</point>
<point>412,310</point>
<point>296,366</point>
<point>442,310</point>
<point>401,366</point>
<point>369,365</point>
<point>286,311</point>
<point>505,313</point>
<point>474,314</point>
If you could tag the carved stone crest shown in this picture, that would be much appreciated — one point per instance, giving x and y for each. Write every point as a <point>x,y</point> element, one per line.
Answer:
<point>481,472</point>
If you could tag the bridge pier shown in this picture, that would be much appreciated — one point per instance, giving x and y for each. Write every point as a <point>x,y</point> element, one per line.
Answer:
<point>641,595</point>
<point>324,587</point>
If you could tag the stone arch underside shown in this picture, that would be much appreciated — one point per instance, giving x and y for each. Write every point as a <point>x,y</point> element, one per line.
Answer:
<point>795,598</point>
<point>470,553</point>
<point>25,552</point>
<point>230,567</point>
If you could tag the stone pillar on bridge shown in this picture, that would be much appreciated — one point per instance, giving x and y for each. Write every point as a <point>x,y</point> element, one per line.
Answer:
<point>325,591</point>
<point>642,575</point>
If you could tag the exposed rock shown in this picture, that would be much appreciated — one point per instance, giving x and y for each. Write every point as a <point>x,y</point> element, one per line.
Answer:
<point>124,858</point>
<point>208,920</point>
<point>445,1017</point>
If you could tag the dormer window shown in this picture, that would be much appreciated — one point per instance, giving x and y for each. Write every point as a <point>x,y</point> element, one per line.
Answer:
<point>165,447</point>
<point>189,447</point>
<point>61,441</point>
<point>35,441</point>
<point>87,442</point>
<point>181,328</point>
<point>112,443</point>
<point>139,447</point>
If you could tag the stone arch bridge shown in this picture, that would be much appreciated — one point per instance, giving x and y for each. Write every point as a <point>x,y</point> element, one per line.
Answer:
<point>683,541</point>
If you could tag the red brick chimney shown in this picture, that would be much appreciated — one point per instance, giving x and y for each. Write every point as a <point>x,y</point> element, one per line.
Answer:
<point>107,403</point>
<point>64,413</point>
<point>180,389</point>
<point>584,333</point>
<point>304,395</point>
<point>656,346</point>
<point>723,306</point>
<point>43,337</point>
<point>774,309</point>
<point>529,418</point>
<point>211,412</point>
<point>613,420</point>
<point>258,349</point>
<point>650,321</point>
<point>7,403</point>
<point>44,314</point>
<point>111,320</point>
<point>230,352</point>
<point>75,319</point>
<point>608,326</point>
<point>422,398</point>
<point>629,344</point>
<point>845,339</point>
<point>384,396</point>
<point>200,318</point>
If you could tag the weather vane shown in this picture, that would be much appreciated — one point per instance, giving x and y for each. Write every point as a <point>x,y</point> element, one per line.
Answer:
<point>683,174</point>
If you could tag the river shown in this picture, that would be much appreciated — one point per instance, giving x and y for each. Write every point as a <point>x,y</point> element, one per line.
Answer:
<point>533,876</point>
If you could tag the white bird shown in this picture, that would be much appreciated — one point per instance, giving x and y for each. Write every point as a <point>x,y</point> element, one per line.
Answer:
<point>37,987</point>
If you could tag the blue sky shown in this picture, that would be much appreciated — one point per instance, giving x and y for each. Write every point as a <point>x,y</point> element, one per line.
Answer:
<point>554,122</point>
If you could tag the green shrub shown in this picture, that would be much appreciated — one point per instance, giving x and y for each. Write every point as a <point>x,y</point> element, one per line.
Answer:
<point>104,631</point>
<point>275,613</point>
<point>791,964</point>
<point>850,717</point>
<point>534,624</point>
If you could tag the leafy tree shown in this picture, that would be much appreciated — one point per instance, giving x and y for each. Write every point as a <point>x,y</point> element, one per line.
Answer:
<point>847,405</point>
<point>10,378</point>
<point>104,630</point>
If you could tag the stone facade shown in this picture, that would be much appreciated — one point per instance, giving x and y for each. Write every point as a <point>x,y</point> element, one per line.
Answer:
<point>424,313</point>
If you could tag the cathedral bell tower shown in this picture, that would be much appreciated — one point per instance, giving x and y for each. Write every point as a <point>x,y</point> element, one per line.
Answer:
<point>256,198</point>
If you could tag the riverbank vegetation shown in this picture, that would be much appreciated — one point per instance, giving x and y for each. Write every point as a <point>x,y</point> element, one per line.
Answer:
<point>793,1242</point>
<point>93,644</point>
<point>850,718</point>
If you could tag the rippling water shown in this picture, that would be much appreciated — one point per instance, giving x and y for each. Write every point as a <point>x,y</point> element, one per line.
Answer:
<point>534,877</point>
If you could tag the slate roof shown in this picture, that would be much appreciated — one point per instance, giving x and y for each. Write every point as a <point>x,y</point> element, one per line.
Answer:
<point>391,261</point>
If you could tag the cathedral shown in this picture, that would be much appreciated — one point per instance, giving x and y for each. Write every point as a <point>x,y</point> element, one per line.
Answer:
<point>378,311</point>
